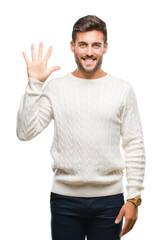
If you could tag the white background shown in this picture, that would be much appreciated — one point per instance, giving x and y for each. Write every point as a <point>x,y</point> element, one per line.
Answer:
<point>134,54</point>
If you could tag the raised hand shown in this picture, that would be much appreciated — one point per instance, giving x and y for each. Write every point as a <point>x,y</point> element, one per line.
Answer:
<point>38,67</point>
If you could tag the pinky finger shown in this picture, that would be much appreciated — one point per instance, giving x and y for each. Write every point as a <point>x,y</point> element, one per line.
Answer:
<point>26,58</point>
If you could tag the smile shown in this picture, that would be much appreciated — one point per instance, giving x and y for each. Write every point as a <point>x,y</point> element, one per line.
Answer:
<point>89,60</point>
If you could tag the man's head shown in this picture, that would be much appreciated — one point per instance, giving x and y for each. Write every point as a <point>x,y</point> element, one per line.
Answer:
<point>89,23</point>
<point>89,43</point>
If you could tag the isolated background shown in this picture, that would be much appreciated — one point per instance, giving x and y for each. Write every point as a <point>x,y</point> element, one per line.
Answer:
<point>134,54</point>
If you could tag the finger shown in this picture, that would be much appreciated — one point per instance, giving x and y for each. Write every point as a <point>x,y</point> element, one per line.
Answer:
<point>26,58</point>
<point>40,52</point>
<point>33,52</point>
<point>52,69</point>
<point>119,217</point>
<point>48,54</point>
<point>127,227</point>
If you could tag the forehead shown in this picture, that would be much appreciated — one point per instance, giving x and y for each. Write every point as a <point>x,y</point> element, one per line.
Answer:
<point>90,36</point>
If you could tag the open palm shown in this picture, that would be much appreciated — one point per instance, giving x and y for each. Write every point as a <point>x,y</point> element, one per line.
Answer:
<point>38,67</point>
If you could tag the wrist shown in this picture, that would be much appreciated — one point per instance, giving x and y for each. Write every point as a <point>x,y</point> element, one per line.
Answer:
<point>136,201</point>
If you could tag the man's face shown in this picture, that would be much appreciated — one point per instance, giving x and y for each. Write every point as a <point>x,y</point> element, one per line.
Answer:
<point>88,50</point>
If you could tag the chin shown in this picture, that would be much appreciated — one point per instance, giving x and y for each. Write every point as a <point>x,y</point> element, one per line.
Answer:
<point>89,71</point>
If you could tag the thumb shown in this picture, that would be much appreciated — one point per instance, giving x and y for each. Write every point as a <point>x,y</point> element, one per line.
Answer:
<point>52,69</point>
<point>119,217</point>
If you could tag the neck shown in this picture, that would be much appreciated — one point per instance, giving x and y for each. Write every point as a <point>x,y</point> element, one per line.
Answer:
<point>93,75</point>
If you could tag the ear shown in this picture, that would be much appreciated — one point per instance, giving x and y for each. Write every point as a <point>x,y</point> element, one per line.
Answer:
<point>105,47</point>
<point>72,46</point>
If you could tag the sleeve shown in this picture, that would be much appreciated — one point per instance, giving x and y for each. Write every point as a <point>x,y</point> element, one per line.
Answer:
<point>133,145</point>
<point>35,111</point>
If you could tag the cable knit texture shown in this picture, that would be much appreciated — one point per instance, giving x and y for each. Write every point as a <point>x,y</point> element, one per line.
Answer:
<point>91,117</point>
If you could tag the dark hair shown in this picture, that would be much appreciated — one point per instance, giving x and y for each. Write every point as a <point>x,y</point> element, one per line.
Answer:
<point>89,23</point>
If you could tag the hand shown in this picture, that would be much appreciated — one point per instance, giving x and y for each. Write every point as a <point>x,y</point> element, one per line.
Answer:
<point>130,211</point>
<point>38,67</point>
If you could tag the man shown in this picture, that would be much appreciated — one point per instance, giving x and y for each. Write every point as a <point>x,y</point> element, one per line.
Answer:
<point>91,110</point>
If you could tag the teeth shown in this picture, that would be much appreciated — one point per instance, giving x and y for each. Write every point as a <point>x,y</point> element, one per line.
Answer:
<point>89,60</point>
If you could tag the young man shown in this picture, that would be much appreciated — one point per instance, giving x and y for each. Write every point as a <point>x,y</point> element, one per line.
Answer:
<point>91,110</point>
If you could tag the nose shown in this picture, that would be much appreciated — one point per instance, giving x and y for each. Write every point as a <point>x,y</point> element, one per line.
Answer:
<point>89,50</point>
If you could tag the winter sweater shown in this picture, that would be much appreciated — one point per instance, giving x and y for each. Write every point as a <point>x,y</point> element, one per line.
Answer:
<point>91,117</point>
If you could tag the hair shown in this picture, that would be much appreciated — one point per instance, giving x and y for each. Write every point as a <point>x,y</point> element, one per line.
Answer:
<point>89,23</point>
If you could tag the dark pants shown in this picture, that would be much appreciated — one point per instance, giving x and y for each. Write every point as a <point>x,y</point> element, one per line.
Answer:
<point>73,218</point>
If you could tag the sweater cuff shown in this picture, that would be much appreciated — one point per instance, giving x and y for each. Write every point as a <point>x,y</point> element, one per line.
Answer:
<point>33,82</point>
<point>134,192</point>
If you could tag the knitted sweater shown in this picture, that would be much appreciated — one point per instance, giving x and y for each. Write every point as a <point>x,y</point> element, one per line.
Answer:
<point>91,117</point>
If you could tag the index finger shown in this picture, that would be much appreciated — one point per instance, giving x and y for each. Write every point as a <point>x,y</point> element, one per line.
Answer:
<point>48,54</point>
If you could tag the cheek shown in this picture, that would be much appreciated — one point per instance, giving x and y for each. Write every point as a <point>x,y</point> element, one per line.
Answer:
<point>80,53</point>
<point>100,53</point>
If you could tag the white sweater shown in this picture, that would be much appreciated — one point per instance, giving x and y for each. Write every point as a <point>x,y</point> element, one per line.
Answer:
<point>90,116</point>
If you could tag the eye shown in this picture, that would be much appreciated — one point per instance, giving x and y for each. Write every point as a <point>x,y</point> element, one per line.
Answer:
<point>82,44</point>
<point>96,45</point>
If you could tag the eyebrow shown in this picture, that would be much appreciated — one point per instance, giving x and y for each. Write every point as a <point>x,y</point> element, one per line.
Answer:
<point>99,43</point>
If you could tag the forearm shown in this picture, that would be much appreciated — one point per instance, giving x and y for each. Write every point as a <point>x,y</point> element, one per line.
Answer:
<point>34,113</point>
<point>135,166</point>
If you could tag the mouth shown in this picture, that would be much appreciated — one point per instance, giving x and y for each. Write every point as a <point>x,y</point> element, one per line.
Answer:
<point>89,61</point>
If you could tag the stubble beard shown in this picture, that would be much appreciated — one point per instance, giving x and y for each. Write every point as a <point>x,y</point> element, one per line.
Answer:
<point>79,64</point>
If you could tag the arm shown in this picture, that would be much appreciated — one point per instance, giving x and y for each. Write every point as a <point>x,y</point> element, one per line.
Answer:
<point>133,145</point>
<point>35,111</point>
